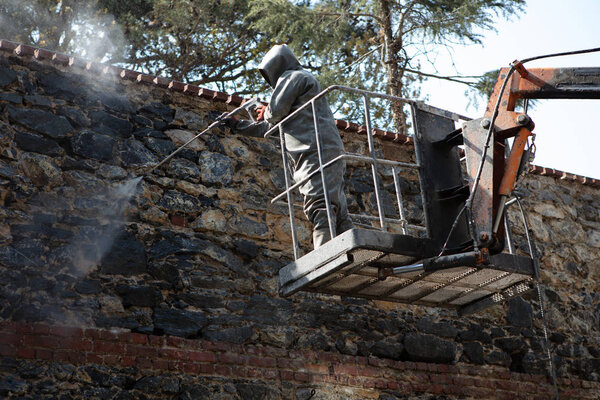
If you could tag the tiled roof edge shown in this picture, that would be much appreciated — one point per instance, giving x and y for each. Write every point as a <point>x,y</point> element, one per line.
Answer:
<point>23,50</point>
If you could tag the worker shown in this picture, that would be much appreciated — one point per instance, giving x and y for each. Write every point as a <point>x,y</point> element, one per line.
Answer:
<point>293,87</point>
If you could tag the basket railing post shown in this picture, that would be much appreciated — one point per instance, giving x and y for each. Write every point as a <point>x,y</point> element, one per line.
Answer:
<point>330,218</point>
<point>289,194</point>
<point>374,163</point>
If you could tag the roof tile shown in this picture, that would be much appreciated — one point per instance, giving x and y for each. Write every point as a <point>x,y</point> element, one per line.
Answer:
<point>24,50</point>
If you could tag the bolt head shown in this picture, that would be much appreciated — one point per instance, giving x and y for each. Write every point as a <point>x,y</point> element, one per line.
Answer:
<point>485,123</point>
<point>523,119</point>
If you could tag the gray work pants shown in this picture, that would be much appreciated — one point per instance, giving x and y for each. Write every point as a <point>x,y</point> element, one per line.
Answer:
<point>314,197</point>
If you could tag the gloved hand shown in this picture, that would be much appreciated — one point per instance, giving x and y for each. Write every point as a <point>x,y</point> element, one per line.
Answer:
<point>260,110</point>
<point>228,121</point>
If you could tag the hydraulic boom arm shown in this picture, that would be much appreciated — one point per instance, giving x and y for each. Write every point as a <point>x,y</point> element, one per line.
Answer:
<point>500,172</point>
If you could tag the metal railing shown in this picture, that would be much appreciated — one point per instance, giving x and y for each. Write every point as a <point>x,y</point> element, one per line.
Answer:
<point>323,165</point>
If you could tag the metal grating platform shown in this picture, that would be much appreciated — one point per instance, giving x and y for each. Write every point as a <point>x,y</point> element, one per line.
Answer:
<point>358,263</point>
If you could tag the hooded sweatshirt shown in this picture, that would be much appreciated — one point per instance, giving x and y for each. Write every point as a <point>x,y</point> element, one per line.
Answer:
<point>292,88</point>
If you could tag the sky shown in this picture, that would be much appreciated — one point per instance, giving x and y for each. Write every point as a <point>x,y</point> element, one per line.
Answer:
<point>567,131</point>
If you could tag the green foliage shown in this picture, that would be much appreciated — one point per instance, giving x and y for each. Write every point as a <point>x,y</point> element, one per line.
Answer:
<point>77,27</point>
<point>378,45</point>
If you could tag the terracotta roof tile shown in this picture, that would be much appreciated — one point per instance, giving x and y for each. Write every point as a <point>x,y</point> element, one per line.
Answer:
<point>43,54</point>
<point>6,45</point>
<point>63,59</point>
<point>191,89</point>
<point>206,93</point>
<point>24,50</point>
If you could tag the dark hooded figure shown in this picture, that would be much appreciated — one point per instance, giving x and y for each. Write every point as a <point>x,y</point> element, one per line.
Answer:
<point>292,88</point>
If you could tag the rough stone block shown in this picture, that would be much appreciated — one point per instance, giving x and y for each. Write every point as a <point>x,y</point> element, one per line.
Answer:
<point>133,154</point>
<point>178,322</point>
<point>127,256</point>
<point>38,144</point>
<point>520,313</point>
<point>429,348</point>
<point>56,127</point>
<point>216,168</point>
<point>93,145</point>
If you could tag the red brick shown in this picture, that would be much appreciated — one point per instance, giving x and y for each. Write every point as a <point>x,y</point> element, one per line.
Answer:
<point>286,363</point>
<point>41,341</point>
<point>138,338</point>
<point>162,365</point>
<point>231,358</point>
<point>138,350</point>
<point>301,377</point>
<point>331,357</point>
<point>274,352</point>
<point>43,354</point>
<point>205,356</point>
<point>223,370</point>
<point>239,371</point>
<point>66,331</point>
<point>143,363</point>
<point>344,369</point>
<point>368,371</point>
<point>61,355</point>
<point>316,368</point>
<point>173,354</point>
<point>10,338</point>
<point>76,344</point>
<point>108,335</point>
<point>208,369</point>
<point>25,352</point>
<point>93,358</point>
<point>266,362</point>
<point>443,368</point>
<point>24,328</point>
<point>112,359</point>
<point>286,375</point>
<point>190,368</point>
<point>156,340</point>
<point>128,361</point>
<point>458,390</point>
<point>174,341</point>
<point>91,333</point>
<point>8,326</point>
<point>109,347</point>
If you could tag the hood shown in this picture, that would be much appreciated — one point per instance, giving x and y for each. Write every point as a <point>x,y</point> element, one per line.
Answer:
<point>277,60</point>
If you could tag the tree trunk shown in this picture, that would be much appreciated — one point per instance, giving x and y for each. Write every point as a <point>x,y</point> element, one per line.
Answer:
<point>391,61</point>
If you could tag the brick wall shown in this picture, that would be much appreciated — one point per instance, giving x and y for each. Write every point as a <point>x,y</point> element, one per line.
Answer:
<point>272,371</point>
<point>191,267</point>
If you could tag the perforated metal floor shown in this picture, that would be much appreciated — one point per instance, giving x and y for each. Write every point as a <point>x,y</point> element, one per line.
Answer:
<point>357,264</point>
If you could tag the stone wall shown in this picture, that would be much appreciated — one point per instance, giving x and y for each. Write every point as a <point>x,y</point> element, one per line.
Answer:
<point>194,253</point>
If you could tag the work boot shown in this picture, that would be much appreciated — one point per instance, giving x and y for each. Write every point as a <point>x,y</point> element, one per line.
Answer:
<point>320,237</point>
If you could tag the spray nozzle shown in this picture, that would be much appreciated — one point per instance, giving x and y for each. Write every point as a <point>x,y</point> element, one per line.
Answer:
<point>252,105</point>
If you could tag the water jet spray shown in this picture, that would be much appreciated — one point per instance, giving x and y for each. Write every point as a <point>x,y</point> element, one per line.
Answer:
<point>248,106</point>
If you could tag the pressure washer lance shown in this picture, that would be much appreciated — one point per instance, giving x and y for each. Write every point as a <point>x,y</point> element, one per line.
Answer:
<point>248,106</point>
